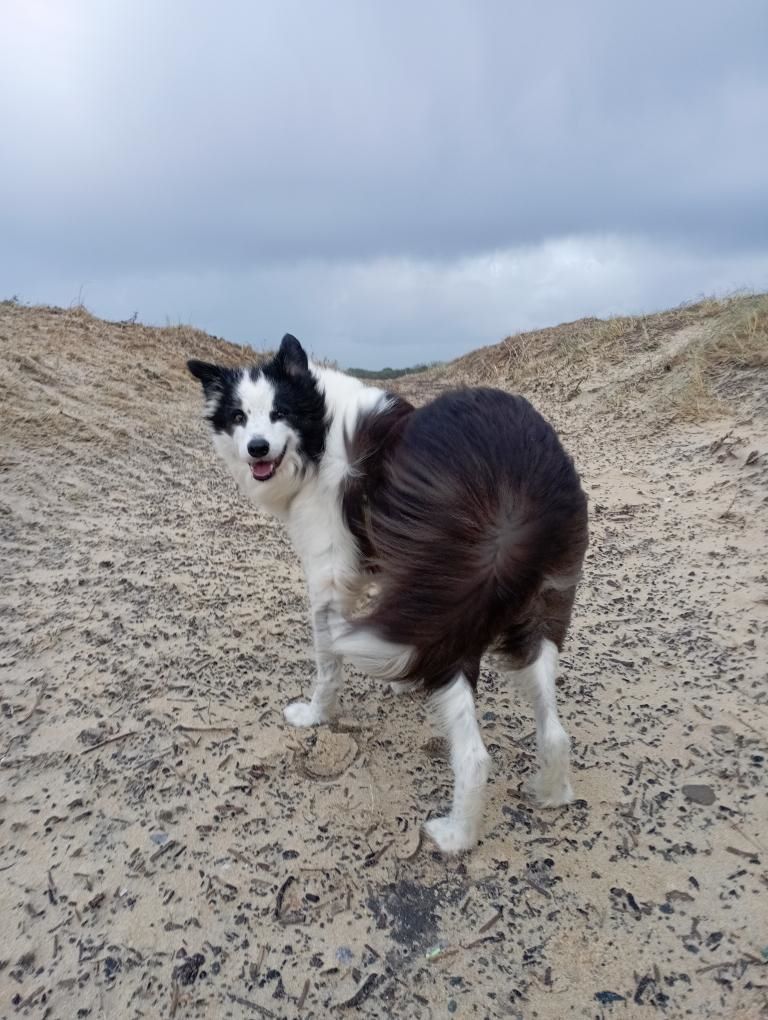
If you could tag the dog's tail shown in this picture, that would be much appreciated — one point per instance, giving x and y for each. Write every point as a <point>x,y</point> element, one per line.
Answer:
<point>479,511</point>
<point>449,594</point>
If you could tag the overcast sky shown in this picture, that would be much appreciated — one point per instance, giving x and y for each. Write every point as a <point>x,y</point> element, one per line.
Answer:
<point>392,181</point>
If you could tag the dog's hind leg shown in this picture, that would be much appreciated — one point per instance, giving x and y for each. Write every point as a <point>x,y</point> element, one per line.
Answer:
<point>551,785</point>
<point>329,680</point>
<point>453,712</point>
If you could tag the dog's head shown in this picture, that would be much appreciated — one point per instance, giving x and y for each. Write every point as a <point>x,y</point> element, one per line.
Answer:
<point>268,422</point>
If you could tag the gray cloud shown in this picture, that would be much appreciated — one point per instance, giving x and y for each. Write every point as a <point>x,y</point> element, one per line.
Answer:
<point>355,165</point>
<point>398,311</point>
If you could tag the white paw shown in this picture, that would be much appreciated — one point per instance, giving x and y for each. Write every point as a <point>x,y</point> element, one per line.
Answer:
<point>548,791</point>
<point>449,836</point>
<point>302,713</point>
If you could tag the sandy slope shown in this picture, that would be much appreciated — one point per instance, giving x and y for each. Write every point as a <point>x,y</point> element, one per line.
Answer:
<point>169,848</point>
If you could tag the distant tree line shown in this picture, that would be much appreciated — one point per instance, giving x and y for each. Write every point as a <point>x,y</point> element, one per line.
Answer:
<point>391,373</point>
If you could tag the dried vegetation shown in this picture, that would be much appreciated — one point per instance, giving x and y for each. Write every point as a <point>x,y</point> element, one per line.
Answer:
<point>681,364</point>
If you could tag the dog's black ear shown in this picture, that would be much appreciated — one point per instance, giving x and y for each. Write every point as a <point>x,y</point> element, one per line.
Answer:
<point>209,375</point>
<point>292,357</point>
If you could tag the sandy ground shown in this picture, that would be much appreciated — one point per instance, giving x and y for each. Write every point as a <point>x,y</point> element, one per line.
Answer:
<point>169,848</point>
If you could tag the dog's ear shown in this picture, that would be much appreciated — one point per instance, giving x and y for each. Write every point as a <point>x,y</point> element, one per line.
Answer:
<point>292,357</point>
<point>209,375</point>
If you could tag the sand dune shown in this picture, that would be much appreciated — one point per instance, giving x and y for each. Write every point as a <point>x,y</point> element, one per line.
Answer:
<point>168,848</point>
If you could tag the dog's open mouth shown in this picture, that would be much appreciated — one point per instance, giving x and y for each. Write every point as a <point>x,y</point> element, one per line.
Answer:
<point>263,470</point>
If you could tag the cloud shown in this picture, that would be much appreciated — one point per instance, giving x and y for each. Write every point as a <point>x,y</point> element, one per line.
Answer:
<point>399,311</point>
<point>204,155</point>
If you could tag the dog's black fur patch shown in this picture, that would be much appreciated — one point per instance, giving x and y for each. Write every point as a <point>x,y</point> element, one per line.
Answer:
<point>220,386</point>
<point>297,396</point>
<point>369,451</point>
<point>474,517</point>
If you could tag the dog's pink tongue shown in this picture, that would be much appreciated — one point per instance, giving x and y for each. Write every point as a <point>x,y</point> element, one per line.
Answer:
<point>262,469</point>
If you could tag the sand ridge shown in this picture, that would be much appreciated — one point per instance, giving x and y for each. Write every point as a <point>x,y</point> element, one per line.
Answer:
<point>169,848</point>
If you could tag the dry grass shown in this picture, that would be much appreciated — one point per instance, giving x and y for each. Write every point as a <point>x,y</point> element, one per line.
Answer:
<point>561,354</point>
<point>690,396</point>
<point>676,365</point>
<point>741,337</point>
<point>669,364</point>
<point>51,356</point>
<point>734,344</point>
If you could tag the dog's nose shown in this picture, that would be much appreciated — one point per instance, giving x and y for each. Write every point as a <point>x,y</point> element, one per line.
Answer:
<point>258,447</point>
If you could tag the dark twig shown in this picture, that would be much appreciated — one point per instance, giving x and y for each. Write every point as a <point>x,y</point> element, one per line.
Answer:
<point>362,993</point>
<point>490,922</point>
<point>205,729</point>
<point>303,996</point>
<point>261,1010</point>
<point>109,740</point>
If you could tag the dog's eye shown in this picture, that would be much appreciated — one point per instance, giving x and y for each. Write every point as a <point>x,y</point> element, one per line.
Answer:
<point>238,418</point>
<point>276,415</point>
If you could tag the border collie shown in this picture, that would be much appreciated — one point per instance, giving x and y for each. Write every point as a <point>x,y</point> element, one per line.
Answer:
<point>467,514</point>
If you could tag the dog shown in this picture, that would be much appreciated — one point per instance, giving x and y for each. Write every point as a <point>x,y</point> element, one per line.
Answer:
<point>467,514</point>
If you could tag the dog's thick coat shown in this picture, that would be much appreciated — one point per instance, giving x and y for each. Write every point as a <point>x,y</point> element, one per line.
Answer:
<point>467,513</point>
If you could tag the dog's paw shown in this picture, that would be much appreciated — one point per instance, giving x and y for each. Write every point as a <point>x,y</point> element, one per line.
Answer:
<point>548,791</point>
<point>449,836</point>
<point>302,713</point>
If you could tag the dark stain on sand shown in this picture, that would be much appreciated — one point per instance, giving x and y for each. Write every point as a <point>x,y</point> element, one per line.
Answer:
<point>412,911</point>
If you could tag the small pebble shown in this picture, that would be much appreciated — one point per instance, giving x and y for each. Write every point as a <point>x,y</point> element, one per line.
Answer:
<point>699,794</point>
<point>605,997</point>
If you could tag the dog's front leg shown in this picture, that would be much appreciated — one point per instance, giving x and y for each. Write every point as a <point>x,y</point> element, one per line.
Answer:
<point>330,677</point>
